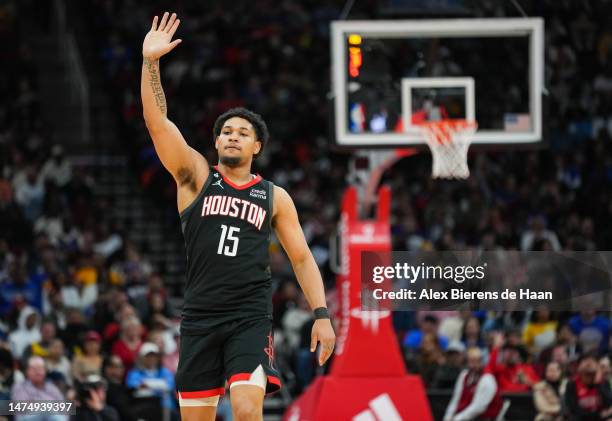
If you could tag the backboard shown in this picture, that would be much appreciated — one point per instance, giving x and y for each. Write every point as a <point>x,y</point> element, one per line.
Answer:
<point>389,74</point>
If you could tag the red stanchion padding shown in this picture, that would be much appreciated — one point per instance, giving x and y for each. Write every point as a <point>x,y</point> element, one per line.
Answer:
<point>368,380</point>
<point>362,399</point>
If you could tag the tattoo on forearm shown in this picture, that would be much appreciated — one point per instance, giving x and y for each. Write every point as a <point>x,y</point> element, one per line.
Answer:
<point>153,69</point>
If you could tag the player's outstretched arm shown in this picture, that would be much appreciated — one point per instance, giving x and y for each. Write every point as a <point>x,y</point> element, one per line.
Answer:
<point>290,234</point>
<point>183,162</point>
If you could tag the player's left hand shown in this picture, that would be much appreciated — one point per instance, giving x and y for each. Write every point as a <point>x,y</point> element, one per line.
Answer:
<point>322,331</point>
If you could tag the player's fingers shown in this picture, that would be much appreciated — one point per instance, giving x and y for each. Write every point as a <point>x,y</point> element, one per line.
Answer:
<point>313,342</point>
<point>174,27</point>
<point>327,348</point>
<point>170,22</point>
<point>323,356</point>
<point>154,25</point>
<point>174,43</point>
<point>162,24</point>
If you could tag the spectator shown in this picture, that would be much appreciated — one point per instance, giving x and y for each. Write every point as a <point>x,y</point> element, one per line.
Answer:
<point>471,335</point>
<point>57,168</point>
<point>454,360</point>
<point>293,320</point>
<point>511,373</point>
<point>92,406</point>
<point>120,313</point>
<point>593,331</point>
<point>58,366</point>
<point>170,360</point>
<point>50,224</point>
<point>75,330</point>
<point>78,294</point>
<point>476,395</point>
<point>41,348</point>
<point>151,376</point>
<point>108,241</point>
<point>540,332</point>
<point>118,395</point>
<point>537,234</point>
<point>429,359</point>
<point>558,354</point>
<point>548,393</point>
<point>9,375</point>
<point>305,361</point>
<point>89,361</point>
<point>159,338</point>
<point>28,331</point>
<point>585,399</point>
<point>18,288</point>
<point>566,337</point>
<point>55,310</point>
<point>427,325</point>
<point>158,311</point>
<point>29,193</point>
<point>36,388</point>
<point>284,299</point>
<point>605,371</point>
<point>129,342</point>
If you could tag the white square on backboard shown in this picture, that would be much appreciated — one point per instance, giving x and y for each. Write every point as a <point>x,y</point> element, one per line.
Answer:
<point>408,84</point>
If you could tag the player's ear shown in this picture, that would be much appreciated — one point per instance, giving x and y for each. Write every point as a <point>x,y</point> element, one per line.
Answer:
<point>257,147</point>
<point>217,143</point>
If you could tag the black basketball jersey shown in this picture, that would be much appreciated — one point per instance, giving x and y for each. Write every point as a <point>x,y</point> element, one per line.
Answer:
<point>227,235</point>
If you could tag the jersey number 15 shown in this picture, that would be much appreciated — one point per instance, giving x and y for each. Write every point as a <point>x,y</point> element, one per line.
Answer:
<point>227,235</point>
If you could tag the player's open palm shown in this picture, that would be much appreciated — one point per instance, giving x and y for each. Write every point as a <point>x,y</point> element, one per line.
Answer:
<point>159,39</point>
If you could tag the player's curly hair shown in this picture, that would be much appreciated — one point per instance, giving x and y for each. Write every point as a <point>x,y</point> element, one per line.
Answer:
<point>261,129</point>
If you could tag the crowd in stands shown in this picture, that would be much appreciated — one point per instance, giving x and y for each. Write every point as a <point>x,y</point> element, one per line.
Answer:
<point>77,322</point>
<point>83,316</point>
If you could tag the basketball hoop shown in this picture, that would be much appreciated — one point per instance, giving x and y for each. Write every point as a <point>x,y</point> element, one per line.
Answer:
<point>449,141</point>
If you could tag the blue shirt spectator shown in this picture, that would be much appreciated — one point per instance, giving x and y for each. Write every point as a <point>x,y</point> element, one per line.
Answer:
<point>149,377</point>
<point>593,331</point>
<point>429,324</point>
<point>19,286</point>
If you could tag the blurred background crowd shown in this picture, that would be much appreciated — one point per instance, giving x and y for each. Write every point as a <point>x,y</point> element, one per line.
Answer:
<point>85,313</point>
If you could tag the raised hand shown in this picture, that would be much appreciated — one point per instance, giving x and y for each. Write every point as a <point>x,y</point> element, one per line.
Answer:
<point>158,41</point>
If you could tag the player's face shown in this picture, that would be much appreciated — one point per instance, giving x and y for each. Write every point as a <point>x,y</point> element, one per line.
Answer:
<point>237,142</point>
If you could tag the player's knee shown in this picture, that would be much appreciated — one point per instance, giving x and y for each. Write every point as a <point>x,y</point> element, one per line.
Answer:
<point>246,410</point>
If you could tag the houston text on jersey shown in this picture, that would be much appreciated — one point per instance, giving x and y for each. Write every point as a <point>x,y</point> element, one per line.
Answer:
<point>234,207</point>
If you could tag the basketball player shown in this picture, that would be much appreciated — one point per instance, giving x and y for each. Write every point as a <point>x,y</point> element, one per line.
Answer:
<point>227,215</point>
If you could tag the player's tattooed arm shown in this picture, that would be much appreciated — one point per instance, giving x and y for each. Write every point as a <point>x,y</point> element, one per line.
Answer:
<point>152,66</point>
<point>157,43</point>
<point>188,167</point>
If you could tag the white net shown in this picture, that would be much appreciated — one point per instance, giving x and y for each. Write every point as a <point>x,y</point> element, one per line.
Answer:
<point>449,141</point>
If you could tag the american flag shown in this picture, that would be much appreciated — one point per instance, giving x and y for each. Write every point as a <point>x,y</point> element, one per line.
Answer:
<point>517,122</point>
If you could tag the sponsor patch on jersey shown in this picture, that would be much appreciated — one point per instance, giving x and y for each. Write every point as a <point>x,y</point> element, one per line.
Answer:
<point>260,194</point>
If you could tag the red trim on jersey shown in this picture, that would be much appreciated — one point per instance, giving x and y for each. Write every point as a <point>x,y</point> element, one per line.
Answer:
<point>254,181</point>
<point>202,393</point>
<point>239,377</point>
<point>247,376</point>
<point>274,380</point>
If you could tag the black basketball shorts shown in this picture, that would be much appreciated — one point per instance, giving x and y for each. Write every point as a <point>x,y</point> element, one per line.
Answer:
<point>231,351</point>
